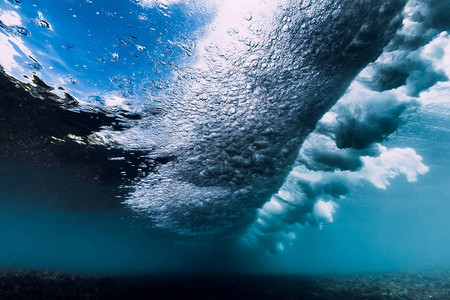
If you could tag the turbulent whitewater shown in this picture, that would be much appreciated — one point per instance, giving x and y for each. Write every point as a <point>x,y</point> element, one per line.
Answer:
<point>258,89</point>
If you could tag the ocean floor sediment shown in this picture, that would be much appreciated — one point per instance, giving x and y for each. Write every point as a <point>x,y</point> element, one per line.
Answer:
<point>51,285</point>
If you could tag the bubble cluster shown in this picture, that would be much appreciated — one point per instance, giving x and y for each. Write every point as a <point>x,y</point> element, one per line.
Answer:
<point>234,124</point>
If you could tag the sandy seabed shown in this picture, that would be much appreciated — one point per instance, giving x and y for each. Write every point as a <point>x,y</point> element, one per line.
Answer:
<point>51,285</point>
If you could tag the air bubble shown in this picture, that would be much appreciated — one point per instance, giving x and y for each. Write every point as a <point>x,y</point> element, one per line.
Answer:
<point>122,42</point>
<point>18,30</point>
<point>68,46</point>
<point>111,14</point>
<point>44,24</point>
<point>232,31</point>
<point>143,17</point>
<point>15,2</point>
<point>97,99</point>
<point>133,40</point>
<point>34,66</point>
<point>102,59</point>
<point>248,16</point>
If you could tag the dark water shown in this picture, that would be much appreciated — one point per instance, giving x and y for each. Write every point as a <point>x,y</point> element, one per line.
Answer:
<point>424,285</point>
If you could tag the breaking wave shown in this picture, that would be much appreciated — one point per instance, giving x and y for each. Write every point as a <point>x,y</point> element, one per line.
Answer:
<point>238,128</point>
<point>263,76</point>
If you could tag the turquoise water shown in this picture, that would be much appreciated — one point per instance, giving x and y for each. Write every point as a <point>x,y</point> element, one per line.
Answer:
<point>402,228</point>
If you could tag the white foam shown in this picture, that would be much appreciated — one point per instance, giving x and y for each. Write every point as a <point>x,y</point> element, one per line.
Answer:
<point>10,18</point>
<point>390,164</point>
<point>152,3</point>
<point>239,109</point>
<point>324,172</point>
<point>324,210</point>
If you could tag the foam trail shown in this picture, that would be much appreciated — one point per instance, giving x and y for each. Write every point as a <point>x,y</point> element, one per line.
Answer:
<point>344,150</point>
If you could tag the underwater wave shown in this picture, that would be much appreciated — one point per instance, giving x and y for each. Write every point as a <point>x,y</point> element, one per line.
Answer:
<point>224,125</point>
